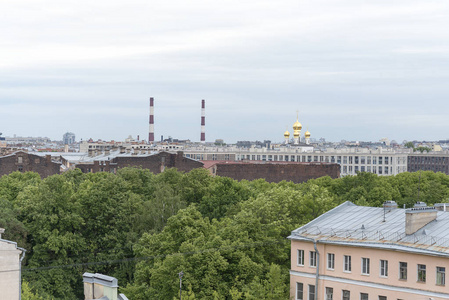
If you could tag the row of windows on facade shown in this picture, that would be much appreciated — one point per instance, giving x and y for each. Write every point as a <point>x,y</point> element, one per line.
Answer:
<point>428,168</point>
<point>365,267</point>
<point>363,160</point>
<point>374,169</point>
<point>20,160</point>
<point>345,294</point>
<point>428,159</point>
<point>368,160</point>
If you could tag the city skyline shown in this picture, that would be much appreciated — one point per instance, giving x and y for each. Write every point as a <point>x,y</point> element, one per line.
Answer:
<point>355,71</point>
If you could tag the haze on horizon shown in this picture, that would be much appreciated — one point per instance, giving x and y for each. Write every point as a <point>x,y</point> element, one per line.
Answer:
<point>355,70</point>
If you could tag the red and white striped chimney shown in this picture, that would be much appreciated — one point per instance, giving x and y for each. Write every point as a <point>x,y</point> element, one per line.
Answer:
<point>151,134</point>
<point>203,121</point>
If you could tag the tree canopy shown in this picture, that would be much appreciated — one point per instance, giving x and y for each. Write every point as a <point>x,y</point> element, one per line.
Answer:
<point>228,237</point>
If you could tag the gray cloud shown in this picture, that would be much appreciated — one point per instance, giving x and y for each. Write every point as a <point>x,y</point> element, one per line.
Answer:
<point>355,70</point>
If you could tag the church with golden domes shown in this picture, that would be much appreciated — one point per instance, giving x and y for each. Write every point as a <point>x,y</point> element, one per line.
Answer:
<point>297,127</point>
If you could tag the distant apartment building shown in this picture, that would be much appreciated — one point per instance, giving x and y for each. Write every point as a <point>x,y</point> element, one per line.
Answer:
<point>111,161</point>
<point>371,253</point>
<point>68,138</point>
<point>381,161</point>
<point>433,161</point>
<point>10,264</point>
<point>23,162</point>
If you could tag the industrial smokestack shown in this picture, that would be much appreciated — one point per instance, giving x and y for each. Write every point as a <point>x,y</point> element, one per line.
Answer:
<point>151,134</point>
<point>203,121</point>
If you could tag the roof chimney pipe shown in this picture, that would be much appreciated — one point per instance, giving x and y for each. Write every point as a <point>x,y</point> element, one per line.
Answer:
<point>151,134</point>
<point>203,121</point>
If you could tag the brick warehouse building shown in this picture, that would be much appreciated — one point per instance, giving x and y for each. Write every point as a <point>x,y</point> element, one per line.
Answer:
<point>156,162</point>
<point>22,161</point>
<point>273,171</point>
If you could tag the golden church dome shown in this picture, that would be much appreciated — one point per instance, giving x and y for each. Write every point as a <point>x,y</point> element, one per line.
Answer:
<point>286,134</point>
<point>296,134</point>
<point>307,134</point>
<point>297,126</point>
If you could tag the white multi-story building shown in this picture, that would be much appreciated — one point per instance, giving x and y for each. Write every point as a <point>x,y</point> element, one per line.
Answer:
<point>380,161</point>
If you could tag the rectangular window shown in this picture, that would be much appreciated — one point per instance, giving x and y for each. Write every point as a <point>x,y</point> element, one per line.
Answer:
<point>350,159</point>
<point>312,261</point>
<point>374,160</point>
<point>311,292</point>
<point>384,268</point>
<point>347,264</point>
<point>345,159</point>
<point>365,266</point>
<point>299,291</point>
<point>382,297</point>
<point>330,261</point>
<point>346,295</point>
<point>19,159</point>
<point>403,270</point>
<point>421,273</point>
<point>363,296</point>
<point>368,160</point>
<point>386,160</point>
<point>329,293</point>
<point>356,159</point>
<point>380,160</point>
<point>362,160</point>
<point>300,260</point>
<point>441,275</point>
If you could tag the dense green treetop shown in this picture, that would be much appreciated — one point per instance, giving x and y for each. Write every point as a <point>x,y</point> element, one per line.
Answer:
<point>228,237</point>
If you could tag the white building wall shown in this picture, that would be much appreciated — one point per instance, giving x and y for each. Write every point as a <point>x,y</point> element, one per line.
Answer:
<point>9,270</point>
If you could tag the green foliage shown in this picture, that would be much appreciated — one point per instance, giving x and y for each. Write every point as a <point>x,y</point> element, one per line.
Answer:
<point>228,237</point>
<point>29,294</point>
<point>409,145</point>
<point>422,149</point>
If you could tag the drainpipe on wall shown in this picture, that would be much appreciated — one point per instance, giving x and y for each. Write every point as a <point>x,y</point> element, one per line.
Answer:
<point>20,271</point>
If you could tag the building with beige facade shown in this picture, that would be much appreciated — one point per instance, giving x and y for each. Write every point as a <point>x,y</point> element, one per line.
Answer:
<point>11,258</point>
<point>371,253</point>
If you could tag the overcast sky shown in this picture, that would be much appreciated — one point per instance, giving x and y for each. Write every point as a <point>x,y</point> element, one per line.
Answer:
<point>354,69</point>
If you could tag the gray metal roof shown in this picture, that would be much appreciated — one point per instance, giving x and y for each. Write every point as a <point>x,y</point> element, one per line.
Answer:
<point>365,226</point>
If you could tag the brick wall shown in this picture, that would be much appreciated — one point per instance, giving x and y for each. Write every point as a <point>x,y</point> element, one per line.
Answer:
<point>155,163</point>
<point>24,162</point>
<point>273,172</point>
